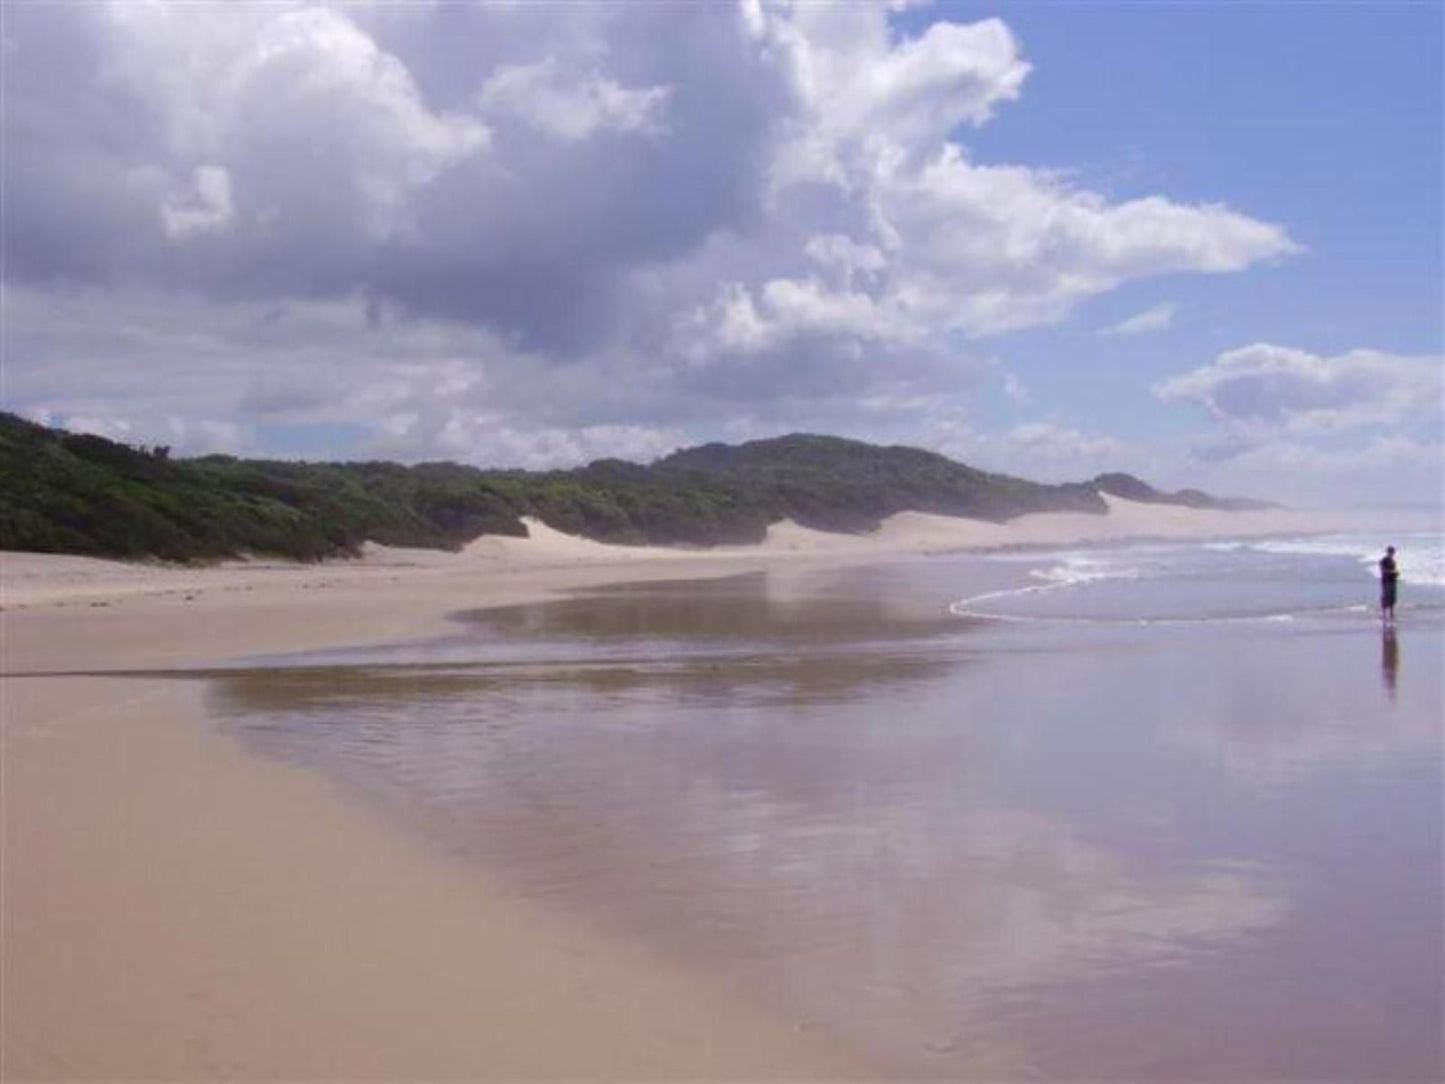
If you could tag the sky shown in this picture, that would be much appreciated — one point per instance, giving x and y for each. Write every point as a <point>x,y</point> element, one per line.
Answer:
<point>1200,242</point>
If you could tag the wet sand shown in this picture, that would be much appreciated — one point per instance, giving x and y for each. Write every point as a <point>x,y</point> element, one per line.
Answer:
<point>175,909</point>
<point>967,851</point>
<point>197,917</point>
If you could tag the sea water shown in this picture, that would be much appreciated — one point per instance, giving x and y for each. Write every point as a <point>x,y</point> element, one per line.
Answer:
<point>1311,578</point>
<point>1144,811</point>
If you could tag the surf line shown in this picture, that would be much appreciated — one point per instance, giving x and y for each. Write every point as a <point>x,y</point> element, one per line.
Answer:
<point>968,607</point>
<point>962,609</point>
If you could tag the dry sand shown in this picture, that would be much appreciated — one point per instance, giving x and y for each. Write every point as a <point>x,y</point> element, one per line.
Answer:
<point>176,909</point>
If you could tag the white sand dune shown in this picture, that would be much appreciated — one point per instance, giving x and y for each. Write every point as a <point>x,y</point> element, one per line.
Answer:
<point>32,579</point>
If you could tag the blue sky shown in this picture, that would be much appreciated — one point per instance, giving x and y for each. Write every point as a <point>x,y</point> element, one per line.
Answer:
<point>1197,241</point>
<point>1323,117</point>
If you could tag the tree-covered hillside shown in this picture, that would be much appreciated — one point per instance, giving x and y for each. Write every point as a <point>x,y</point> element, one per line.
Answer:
<point>65,492</point>
<point>845,485</point>
<point>1132,489</point>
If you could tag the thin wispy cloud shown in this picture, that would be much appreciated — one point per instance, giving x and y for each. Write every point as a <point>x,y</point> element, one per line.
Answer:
<point>1156,319</point>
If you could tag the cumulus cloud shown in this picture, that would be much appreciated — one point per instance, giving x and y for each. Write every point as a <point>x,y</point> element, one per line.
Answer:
<point>998,248</point>
<point>315,161</point>
<point>315,108</point>
<point>569,108</point>
<point>868,170</point>
<point>304,135</point>
<point>205,207</point>
<point>858,90</point>
<point>1292,424</point>
<point>628,223</point>
<point>1269,387</point>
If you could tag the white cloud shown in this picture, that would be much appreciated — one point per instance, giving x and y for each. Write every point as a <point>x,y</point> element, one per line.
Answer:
<point>202,376</point>
<point>991,248</point>
<point>1266,387</point>
<point>294,106</point>
<point>140,359</point>
<point>206,208</point>
<point>312,89</point>
<point>1045,449</point>
<point>978,250</point>
<point>488,439</point>
<point>1297,426</point>
<point>327,149</point>
<point>187,436</point>
<point>923,241</point>
<point>1380,469</point>
<point>859,90</point>
<point>853,260</point>
<point>784,310</point>
<point>448,230</point>
<point>572,109</point>
<point>1156,319</point>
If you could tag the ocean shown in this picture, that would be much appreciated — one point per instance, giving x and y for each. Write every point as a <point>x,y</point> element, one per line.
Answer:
<point>1143,811</point>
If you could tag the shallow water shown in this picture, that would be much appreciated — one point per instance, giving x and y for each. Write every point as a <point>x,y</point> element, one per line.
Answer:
<point>1131,813</point>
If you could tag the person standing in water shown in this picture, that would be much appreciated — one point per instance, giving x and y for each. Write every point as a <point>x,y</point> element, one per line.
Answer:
<point>1389,577</point>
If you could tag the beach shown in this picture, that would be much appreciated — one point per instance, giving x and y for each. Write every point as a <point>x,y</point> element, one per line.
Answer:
<point>213,871</point>
<point>177,910</point>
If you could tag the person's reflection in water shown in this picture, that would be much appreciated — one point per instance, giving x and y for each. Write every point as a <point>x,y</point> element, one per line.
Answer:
<point>1390,660</point>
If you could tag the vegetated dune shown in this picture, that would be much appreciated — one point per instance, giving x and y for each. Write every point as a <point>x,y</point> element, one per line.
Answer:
<point>82,494</point>
<point>29,579</point>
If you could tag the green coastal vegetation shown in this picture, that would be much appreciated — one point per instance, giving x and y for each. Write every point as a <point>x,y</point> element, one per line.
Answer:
<point>77,493</point>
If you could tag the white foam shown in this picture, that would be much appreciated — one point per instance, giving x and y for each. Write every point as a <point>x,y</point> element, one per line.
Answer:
<point>969,608</point>
<point>1421,557</point>
<point>1223,579</point>
<point>1076,571</point>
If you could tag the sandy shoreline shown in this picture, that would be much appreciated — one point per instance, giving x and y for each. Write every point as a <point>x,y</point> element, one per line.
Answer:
<point>176,909</point>
<point>30,580</point>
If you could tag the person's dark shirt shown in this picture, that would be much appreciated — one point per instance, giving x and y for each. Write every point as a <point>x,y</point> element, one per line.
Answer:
<point>1388,572</point>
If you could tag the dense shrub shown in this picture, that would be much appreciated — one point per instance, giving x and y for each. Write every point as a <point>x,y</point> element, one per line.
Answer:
<point>79,493</point>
